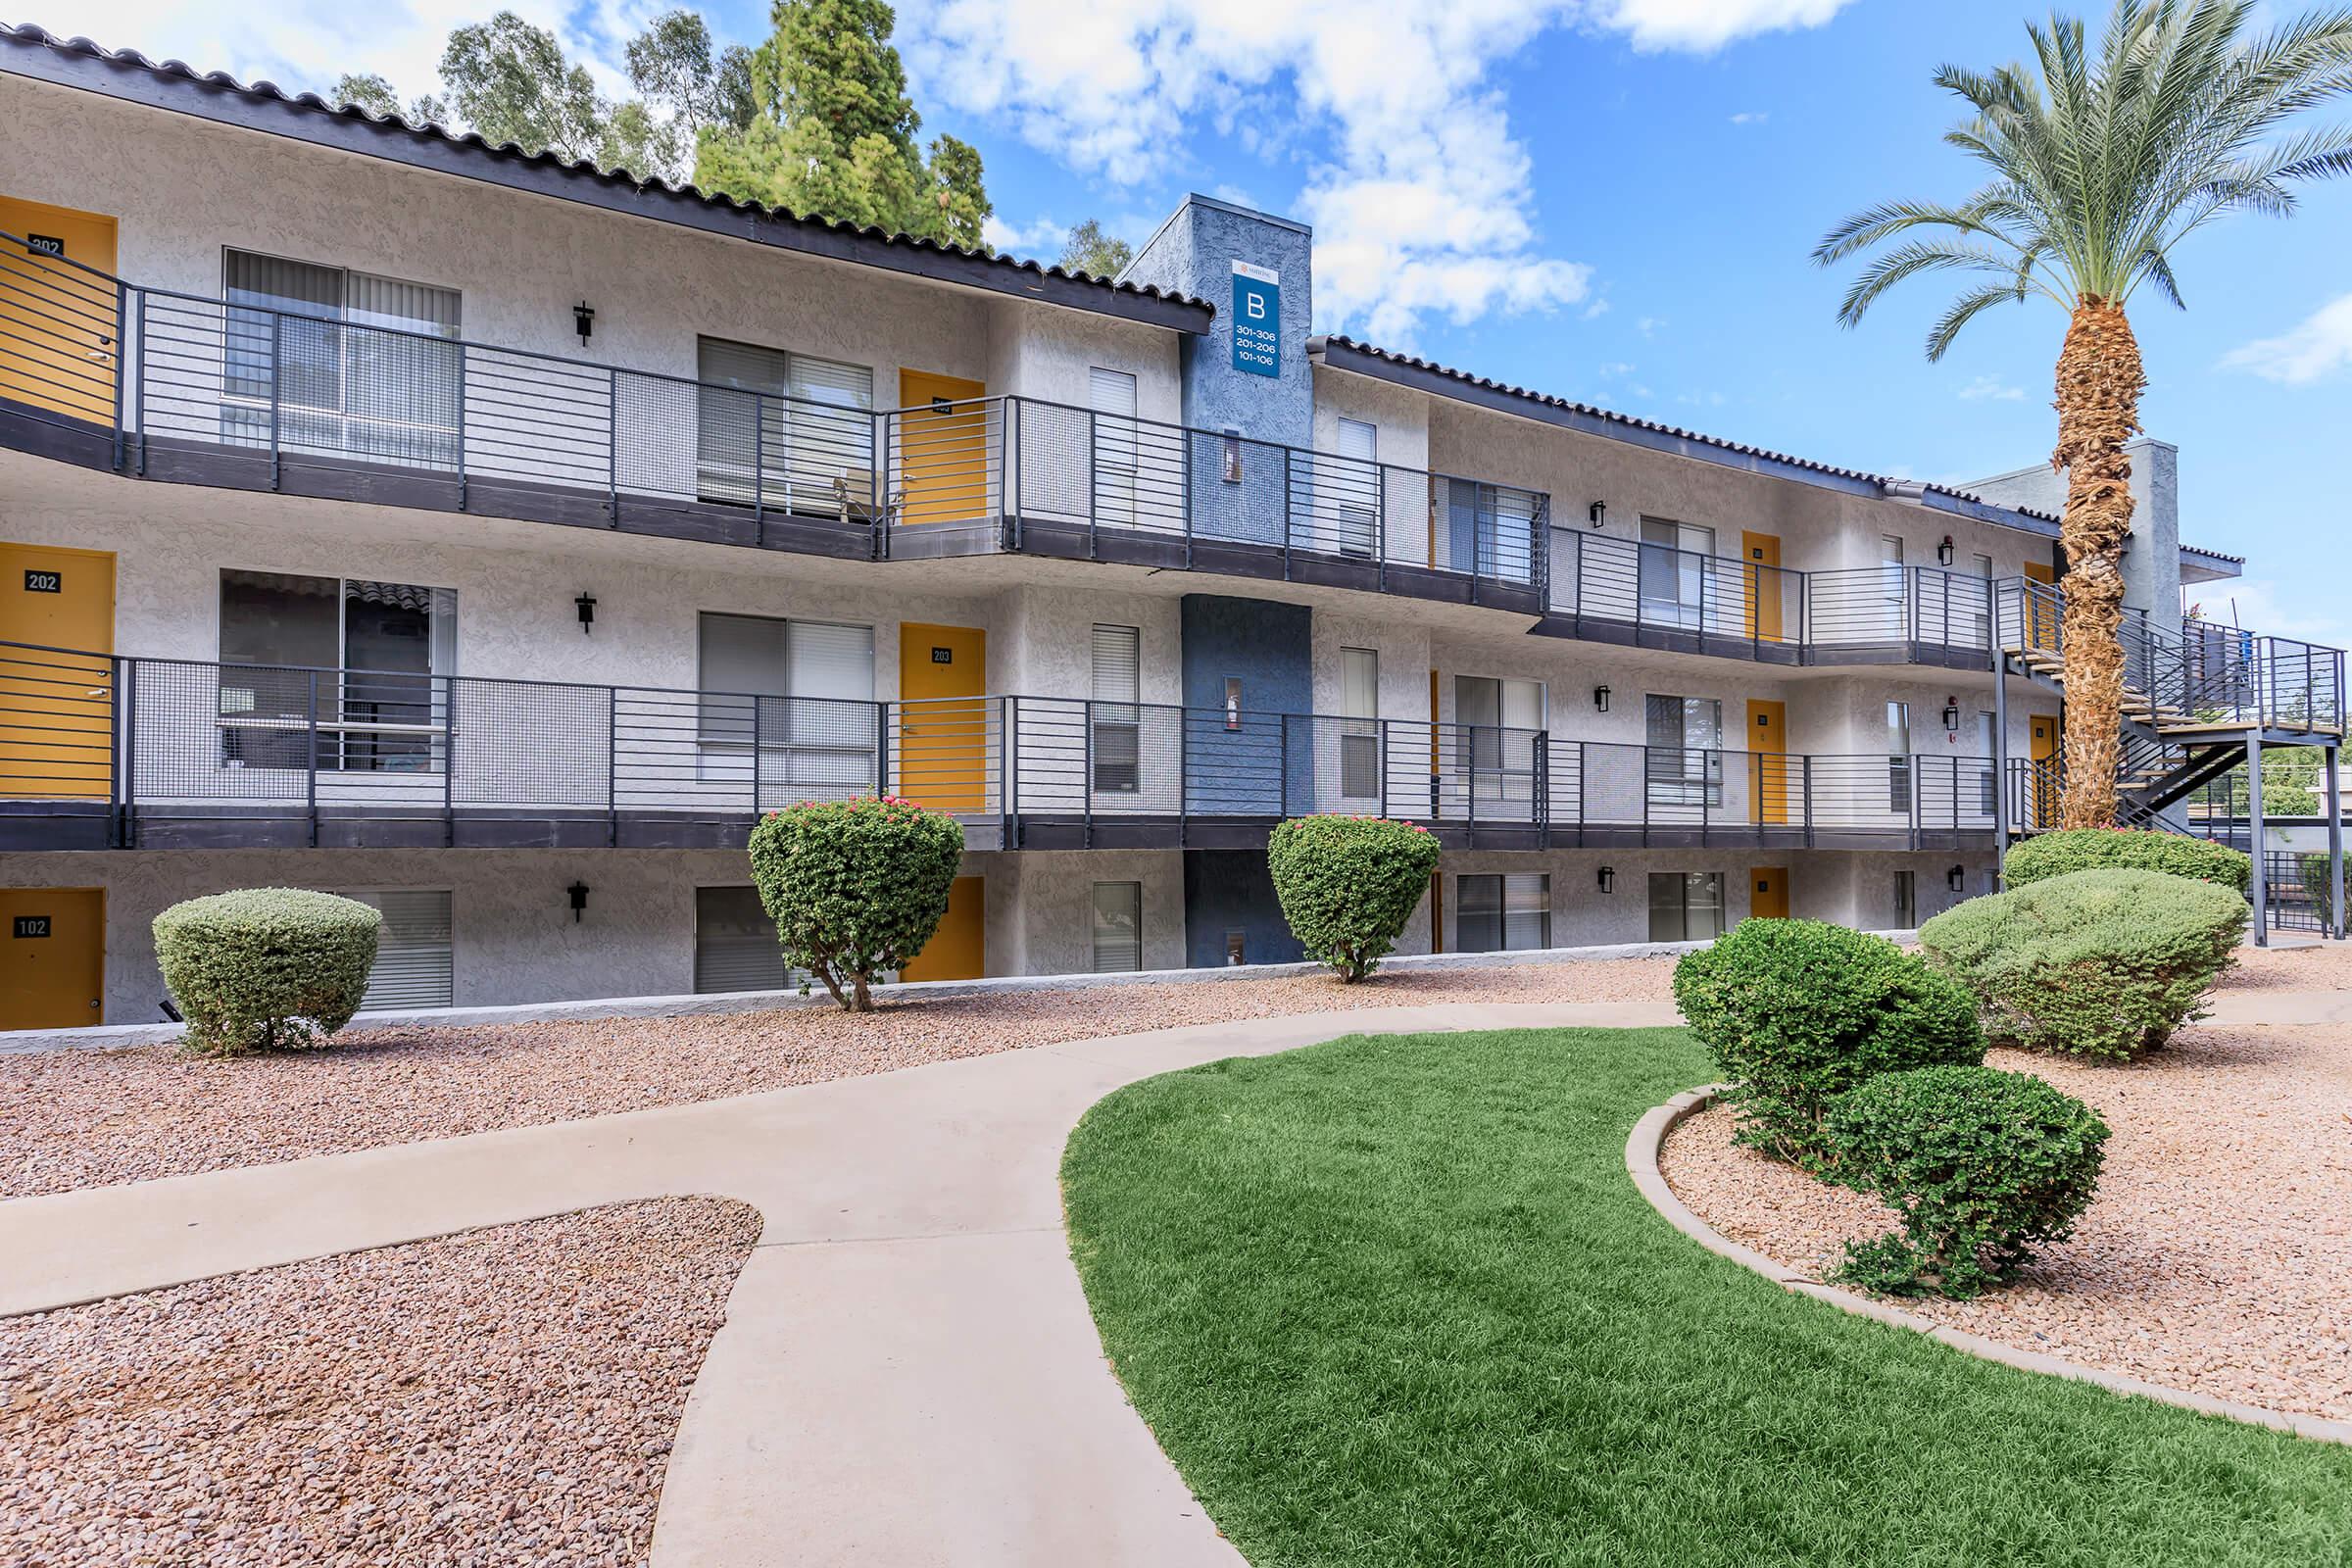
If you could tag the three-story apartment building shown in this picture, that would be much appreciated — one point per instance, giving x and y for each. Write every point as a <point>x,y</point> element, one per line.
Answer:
<point>491,539</point>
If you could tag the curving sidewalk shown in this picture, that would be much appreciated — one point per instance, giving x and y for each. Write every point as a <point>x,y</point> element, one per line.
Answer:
<point>908,1374</point>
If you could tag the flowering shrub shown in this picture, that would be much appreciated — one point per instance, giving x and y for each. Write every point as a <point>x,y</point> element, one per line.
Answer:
<point>855,887</point>
<point>1348,884</point>
<point>266,968</point>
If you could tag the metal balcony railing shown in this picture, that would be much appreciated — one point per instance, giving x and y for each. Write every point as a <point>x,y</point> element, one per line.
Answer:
<point>181,751</point>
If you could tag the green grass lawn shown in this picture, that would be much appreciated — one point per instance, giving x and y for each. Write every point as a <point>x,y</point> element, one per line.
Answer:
<point>1395,1300</point>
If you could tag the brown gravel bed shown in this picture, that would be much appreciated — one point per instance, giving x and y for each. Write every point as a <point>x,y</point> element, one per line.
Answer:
<point>72,1119</point>
<point>2217,1257</point>
<point>2317,966</point>
<point>504,1396</point>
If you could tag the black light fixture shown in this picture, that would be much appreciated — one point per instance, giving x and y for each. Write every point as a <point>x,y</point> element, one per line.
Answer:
<point>1600,699</point>
<point>1608,879</point>
<point>1597,513</point>
<point>1945,553</point>
<point>1956,878</point>
<point>579,899</point>
<point>586,605</point>
<point>584,321</point>
<point>1952,715</point>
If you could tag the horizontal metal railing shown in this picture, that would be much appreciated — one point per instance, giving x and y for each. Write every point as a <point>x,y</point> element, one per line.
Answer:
<point>195,742</point>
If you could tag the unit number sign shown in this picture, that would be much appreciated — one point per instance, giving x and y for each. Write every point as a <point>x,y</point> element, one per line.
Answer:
<point>44,582</point>
<point>29,925</point>
<point>943,655</point>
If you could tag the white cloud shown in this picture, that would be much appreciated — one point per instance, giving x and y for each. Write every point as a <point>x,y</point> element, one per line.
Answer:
<point>1990,388</point>
<point>2321,345</point>
<point>1750,117</point>
<point>1419,194</point>
<point>1041,239</point>
<point>2263,606</point>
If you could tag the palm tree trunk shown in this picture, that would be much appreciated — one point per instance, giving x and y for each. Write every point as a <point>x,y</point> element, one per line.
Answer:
<point>2099,382</point>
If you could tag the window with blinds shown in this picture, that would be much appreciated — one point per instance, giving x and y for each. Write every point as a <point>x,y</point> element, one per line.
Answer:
<point>794,699</point>
<point>1118,927</point>
<point>361,658</point>
<point>414,964</point>
<point>1673,571</point>
<point>1360,732</point>
<point>1509,913</point>
<point>355,364</point>
<point>1356,488</point>
<point>784,429</point>
<point>1686,905</point>
<point>1497,721</point>
<point>1899,759</point>
<point>735,946</point>
<point>1118,722</point>
<point>1683,762</point>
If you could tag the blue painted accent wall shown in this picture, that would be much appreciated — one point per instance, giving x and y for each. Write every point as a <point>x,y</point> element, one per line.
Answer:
<point>1228,890</point>
<point>1194,252</point>
<point>1270,647</point>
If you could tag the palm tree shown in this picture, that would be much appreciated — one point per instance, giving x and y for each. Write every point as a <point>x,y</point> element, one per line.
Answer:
<point>2099,167</point>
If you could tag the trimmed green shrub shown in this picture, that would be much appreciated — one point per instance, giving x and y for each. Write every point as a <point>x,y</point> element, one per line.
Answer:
<point>1798,1012</point>
<point>1348,884</point>
<point>2096,849</point>
<point>855,887</point>
<point>266,968</point>
<point>1983,1166</point>
<point>2103,964</point>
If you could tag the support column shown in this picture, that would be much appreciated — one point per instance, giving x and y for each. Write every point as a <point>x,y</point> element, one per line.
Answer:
<point>2258,888</point>
<point>2336,843</point>
<point>2000,758</point>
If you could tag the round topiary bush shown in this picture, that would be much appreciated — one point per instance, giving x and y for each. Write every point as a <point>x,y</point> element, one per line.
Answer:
<point>1982,1165</point>
<point>2103,964</point>
<point>2100,849</point>
<point>1798,1012</point>
<point>1348,884</point>
<point>266,968</point>
<point>855,887</point>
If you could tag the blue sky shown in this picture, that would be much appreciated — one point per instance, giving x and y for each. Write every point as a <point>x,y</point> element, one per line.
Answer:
<point>1613,200</point>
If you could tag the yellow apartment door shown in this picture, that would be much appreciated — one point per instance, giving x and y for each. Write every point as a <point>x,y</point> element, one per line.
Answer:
<point>52,958</point>
<point>60,326</point>
<point>2041,797</point>
<point>1768,778</point>
<point>959,948</point>
<point>943,448</point>
<point>2042,622</point>
<point>56,696</point>
<point>1763,553</point>
<point>1770,899</point>
<point>943,716</point>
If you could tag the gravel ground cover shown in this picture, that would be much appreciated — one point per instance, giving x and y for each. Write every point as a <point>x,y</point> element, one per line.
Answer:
<point>2217,1257</point>
<point>504,1396</point>
<point>72,1119</point>
<point>2317,966</point>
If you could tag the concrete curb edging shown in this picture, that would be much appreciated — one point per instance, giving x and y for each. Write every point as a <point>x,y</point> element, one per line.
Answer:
<point>1641,1150</point>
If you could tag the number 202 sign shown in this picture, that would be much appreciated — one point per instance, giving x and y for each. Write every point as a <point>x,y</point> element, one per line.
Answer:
<point>44,582</point>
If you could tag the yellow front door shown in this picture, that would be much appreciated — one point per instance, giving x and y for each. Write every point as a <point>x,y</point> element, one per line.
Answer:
<point>1769,900</point>
<point>959,948</point>
<point>57,693</point>
<point>2042,616</point>
<point>1768,766</point>
<point>1763,572</point>
<point>943,448</point>
<point>59,324</point>
<point>52,958</point>
<point>2041,794</point>
<point>943,716</point>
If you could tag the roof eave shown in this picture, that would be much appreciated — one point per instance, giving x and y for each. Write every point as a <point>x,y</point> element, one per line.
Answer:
<point>307,119</point>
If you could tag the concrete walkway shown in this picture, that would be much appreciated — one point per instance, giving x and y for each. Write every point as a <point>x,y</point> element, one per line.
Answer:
<point>908,1375</point>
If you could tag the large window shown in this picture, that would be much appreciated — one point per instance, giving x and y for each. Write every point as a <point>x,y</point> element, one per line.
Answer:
<point>735,947</point>
<point>787,430</point>
<point>1674,561</point>
<point>1497,721</point>
<point>1898,758</point>
<point>1116,719</point>
<point>1118,927</point>
<point>1355,485</point>
<point>1906,900</point>
<point>352,663</point>
<point>1502,913</point>
<point>1683,762</point>
<point>1893,580</point>
<point>792,698</point>
<point>415,966</point>
<point>1988,783</point>
<point>355,364</point>
<point>1686,905</point>
<point>1117,446</point>
<point>1359,729</point>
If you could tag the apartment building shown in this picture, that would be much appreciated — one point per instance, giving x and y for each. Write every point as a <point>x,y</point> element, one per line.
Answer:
<point>491,539</point>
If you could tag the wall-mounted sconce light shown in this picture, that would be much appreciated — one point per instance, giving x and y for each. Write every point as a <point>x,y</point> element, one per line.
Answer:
<point>1952,715</point>
<point>1597,513</point>
<point>1956,878</point>
<point>1945,553</point>
<point>579,899</point>
<point>584,321</point>
<point>1600,699</point>
<point>586,605</point>
<point>1232,702</point>
<point>1231,442</point>
<point>1608,879</point>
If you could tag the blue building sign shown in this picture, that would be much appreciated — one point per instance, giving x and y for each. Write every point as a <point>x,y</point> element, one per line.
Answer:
<point>1256,320</point>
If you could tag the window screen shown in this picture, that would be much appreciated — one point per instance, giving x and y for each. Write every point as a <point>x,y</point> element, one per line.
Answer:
<point>735,946</point>
<point>1359,733</point>
<point>1118,927</point>
<point>1117,722</point>
<point>414,965</point>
